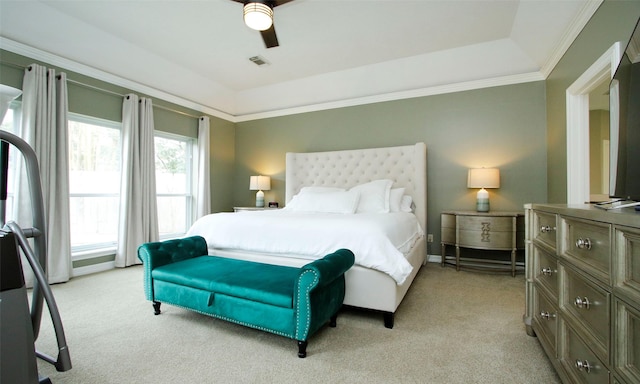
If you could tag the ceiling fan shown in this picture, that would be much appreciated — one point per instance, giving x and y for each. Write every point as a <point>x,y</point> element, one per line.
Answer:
<point>258,15</point>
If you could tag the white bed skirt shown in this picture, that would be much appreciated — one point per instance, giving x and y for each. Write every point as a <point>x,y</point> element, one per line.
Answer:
<point>365,287</point>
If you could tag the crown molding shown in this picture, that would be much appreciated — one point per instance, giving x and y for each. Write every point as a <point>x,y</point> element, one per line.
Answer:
<point>577,25</point>
<point>633,48</point>
<point>70,65</point>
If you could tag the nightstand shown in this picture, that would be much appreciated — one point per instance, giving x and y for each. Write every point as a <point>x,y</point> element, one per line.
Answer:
<point>494,231</point>
<point>240,209</point>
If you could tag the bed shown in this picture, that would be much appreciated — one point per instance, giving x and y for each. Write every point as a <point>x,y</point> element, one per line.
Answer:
<point>368,285</point>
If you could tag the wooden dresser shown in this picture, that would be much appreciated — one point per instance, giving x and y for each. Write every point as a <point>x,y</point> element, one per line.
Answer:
<point>583,290</point>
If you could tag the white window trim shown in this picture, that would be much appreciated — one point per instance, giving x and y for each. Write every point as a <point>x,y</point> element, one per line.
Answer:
<point>578,123</point>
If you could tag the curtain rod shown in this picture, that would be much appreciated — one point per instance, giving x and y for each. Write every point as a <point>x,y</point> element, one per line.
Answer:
<point>22,67</point>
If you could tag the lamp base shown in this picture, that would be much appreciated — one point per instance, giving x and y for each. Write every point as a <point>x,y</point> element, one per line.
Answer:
<point>482,205</point>
<point>260,199</point>
<point>482,201</point>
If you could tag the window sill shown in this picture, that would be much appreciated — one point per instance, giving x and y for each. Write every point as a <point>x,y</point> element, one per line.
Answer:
<point>92,253</point>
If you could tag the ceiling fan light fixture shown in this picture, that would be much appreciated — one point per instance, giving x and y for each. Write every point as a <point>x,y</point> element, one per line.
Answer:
<point>258,16</point>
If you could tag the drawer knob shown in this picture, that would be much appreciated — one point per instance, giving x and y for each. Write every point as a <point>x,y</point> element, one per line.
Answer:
<point>582,302</point>
<point>583,365</point>
<point>583,243</point>
<point>547,316</point>
<point>547,229</point>
<point>546,271</point>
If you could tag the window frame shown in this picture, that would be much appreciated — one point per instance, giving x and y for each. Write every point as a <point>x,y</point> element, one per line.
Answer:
<point>191,183</point>
<point>95,249</point>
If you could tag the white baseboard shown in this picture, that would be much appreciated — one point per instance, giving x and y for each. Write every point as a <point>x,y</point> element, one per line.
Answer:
<point>434,258</point>
<point>81,271</point>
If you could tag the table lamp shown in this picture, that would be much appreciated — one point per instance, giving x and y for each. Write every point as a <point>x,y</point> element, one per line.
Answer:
<point>260,183</point>
<point>483,178</point>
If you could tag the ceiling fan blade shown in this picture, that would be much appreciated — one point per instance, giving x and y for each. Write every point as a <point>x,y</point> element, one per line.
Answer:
<point>269,37</point>
<point>275,3</point>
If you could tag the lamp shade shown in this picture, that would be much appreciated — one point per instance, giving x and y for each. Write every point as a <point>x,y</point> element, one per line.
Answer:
<point>260,183</point>
<point>483,178</point>
<point>258,16</point>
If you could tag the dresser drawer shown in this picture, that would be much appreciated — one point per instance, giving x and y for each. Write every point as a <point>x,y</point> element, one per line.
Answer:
<point>589,305</point>
<point>545,229</point>
<point>545,319</point>
<point>588,244</point>
<point>627,262</point>
<point>626,356</point>
<point>486,232</point>
<point>579,362</point>
<point>546,271</point>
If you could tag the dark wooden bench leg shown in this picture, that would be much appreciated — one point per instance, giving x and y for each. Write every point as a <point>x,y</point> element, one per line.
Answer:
<point>388,320</point>
<point>156,307</point>
<point>302,349</point>
<point>332,321</point>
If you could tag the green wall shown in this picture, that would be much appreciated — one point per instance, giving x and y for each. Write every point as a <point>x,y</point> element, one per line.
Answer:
<point>91,97</point>
<point>494,127</point>
<point>613,21</point>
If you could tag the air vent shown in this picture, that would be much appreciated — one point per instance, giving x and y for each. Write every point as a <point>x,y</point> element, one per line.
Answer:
<point>259,60</point>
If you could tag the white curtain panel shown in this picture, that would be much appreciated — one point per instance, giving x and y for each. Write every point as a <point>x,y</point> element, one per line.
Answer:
<point>203,192</point>
<point>45,129</point>
<point>7,95</point>
<point>138,221</point>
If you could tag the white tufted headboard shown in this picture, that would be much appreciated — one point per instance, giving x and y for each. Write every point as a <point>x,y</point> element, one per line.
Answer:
<point>405,165</point>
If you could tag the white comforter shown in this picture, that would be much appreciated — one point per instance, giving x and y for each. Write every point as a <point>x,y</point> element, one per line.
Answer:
<point>377,240</point>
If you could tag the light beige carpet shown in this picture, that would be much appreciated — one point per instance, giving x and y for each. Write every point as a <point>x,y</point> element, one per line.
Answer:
<point>453,327</point>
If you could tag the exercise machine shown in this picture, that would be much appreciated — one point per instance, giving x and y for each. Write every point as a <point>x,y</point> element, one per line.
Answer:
<point>21,325</point>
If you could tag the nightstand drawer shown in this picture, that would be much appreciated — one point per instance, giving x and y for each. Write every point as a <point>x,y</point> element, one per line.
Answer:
<point>580,362</point>
<point>546,271</point>
<point>486,232</point>
<point>448,228</point>
<point>588,244</point>
<point>589,305</point>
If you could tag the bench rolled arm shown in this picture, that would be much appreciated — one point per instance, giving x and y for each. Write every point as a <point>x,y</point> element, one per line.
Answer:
<point>157,254</point>
<point>331,266</point>
<point>319,291</point>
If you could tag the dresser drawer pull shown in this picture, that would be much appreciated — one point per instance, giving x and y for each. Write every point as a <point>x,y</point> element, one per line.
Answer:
<point>583,365</point>
<point>547,316</point>
<point>582,302</point>
<point>547,229</point>
<point>546,271</point>
<point>583,243</point>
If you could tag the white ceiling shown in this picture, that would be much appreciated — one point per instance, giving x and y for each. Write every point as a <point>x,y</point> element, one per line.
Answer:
<point>331,52</point>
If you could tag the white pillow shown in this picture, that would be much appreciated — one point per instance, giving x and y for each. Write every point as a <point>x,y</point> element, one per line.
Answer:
<point>395,198</point>
<point>326,202</point>
<point>406,204</point>
<point>320,189</point>
<point>374,196</point>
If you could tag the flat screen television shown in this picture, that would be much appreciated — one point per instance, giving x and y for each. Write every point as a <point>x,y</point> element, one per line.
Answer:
<point>624,144</point>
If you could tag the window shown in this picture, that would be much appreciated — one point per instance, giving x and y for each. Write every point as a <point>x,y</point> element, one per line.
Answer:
<point>174,184</point>
<point>94,182</point>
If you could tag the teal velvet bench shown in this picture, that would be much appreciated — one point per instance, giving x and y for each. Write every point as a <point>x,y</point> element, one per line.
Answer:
<point>287,301</point>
